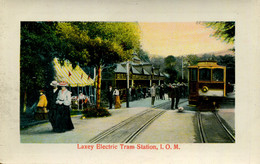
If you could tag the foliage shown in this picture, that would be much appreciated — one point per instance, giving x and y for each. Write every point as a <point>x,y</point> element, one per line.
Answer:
<point>170,61</point>
<point>173,65</point>
<point>191,60</point>
<point>99,43</point>
<point>144,56</point>
<point>223,30</point>
<point>39,45</point>
<point>170,68</point>
<point>94,112</point>
<point>158,62</point>
<point>227,60</point>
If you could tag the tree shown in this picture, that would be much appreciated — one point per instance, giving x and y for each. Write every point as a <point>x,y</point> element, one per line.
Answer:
<point>99,44</point>
<point>229,62</point>
<point>191,60</point>
<point>39,45</point>
<point>223,30</point>
<point>209,57</point>
<point>170,67</point>
<point>144,56</point>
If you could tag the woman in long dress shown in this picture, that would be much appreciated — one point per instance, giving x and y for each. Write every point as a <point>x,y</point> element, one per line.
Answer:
<point>63,119</point>
<point>117,99</point>
<point>41,113</point>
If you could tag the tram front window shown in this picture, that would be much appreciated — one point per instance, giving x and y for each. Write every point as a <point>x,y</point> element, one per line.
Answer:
<point>218,75</point>
<point>204,74</point>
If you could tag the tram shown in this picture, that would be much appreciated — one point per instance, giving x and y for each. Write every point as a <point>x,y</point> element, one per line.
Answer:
<point>207,83</point>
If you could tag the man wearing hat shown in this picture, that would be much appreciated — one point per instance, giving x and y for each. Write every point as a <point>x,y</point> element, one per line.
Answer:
<point>153,94</point>
<point>110,96</point>
<point>175,94</point>
<point>52,96</point>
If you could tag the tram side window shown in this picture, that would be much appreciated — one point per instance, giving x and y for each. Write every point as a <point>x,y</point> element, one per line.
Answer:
<point>193,74</point>
<point>204,74</point>
<point>218,75</point>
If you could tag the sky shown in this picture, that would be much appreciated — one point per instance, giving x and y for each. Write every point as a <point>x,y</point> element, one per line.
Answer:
<point>177,39</point>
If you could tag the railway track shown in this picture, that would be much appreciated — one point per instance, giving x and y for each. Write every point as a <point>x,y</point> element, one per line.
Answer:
<point>212,129</point>
<point>127,130</point>
<point>167,105</point>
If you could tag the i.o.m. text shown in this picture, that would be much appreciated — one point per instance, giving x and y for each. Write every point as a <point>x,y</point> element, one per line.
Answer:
<point>128,146</point>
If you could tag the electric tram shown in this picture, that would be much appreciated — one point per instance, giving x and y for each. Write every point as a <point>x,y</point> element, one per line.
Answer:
<point>207,82</point>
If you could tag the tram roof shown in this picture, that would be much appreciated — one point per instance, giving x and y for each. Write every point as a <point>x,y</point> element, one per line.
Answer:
<point>207,64</point>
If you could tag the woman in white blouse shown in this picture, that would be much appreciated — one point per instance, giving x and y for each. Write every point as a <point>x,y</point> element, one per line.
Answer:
<point>117,102</point>
<point>63,119</point>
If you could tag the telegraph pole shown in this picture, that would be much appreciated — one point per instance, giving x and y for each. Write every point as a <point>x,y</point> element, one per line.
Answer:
<point>127,84</point>
<point>182,68</point>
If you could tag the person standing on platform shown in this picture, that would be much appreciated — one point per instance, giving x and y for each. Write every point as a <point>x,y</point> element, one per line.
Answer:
<point>41,113</point>
<point>175,95</point>
<point>52,96</point>
<point>81,99</point>
<point>133,93</point>
<point>169,90</point>
<point>144,92</point>
<point>178,95</point>
<point>63,119</point>
<point>153,94</point>
<point>117,99</point>
<point>157,91</point>
<point>110,96</point>
<point>130,94</point>
<point>162,92</point>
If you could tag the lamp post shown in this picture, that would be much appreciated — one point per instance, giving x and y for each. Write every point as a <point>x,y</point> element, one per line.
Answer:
<point>182,68</point>
<point>127,84</point>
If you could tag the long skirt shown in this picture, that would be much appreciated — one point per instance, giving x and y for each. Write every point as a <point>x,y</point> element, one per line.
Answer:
<point>41,114</point>
<point>52,114</point>
<point>63,120</point>
<point>118,103</point>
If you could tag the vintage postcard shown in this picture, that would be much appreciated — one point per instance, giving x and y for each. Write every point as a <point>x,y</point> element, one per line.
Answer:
<point>146,81</point>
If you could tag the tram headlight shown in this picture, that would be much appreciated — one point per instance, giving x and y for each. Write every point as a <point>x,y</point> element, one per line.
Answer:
<point>205,89</point>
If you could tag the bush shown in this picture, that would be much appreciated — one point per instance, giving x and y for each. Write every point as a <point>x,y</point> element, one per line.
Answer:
<point>94,112</point>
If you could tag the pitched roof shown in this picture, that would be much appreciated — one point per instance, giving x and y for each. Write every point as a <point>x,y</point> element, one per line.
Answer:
<point>75,77</point>
<point>145,72</point>
<point>120,69</point>
<point>135,71</point>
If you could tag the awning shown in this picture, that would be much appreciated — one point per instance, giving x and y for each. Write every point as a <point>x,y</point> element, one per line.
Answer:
<point>75,77</point>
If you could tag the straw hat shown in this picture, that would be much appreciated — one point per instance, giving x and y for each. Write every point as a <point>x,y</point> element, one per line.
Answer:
<point>180,109</point>
<point>41,91</point>
<point>63,83</point>
<point>54,83</point>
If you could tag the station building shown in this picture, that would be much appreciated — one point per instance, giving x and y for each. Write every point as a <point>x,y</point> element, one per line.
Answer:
<point>141,74</point>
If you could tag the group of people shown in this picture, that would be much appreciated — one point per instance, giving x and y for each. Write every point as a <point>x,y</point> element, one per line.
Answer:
<point>175,92</point>
<point>136,93</point>
<point>57,108</point>
<point>113,94</point>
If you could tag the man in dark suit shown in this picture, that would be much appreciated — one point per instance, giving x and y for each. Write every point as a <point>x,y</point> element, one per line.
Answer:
<point>110,96</point>
<point>178,95</point>
<point>52,107</point>
<point>175,94</point>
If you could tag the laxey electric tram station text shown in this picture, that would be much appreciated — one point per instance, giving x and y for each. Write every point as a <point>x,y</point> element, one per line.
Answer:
<point>129,146</point>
